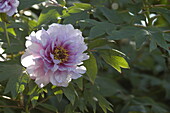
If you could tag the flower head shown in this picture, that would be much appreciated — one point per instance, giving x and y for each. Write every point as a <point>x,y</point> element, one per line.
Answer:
<point>8,6</point>
<point>55,55</point>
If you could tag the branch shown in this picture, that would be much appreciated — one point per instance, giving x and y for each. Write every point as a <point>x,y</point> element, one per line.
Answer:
<point>8,106</point>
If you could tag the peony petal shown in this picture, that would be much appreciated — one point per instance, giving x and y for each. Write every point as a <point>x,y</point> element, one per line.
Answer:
<point>42,78</point>
<point>80,69</point>
<point>75,75</point>
<point>39,56</point>
<point>9,6</point>
<point>27,59</point>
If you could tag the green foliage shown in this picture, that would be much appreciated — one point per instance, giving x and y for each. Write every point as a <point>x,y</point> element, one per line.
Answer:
<point>129,34</point>
<point>49,14</point>
<point>91,66</point>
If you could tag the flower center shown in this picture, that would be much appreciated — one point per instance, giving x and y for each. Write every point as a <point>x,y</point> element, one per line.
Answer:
<point>60,54</point>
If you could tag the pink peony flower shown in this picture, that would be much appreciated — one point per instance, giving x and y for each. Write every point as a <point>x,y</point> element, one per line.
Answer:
<point>8,6</point>
<point>55,55</point>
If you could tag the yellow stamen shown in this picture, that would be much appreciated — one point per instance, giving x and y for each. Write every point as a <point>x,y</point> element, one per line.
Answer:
<point>61,54</point>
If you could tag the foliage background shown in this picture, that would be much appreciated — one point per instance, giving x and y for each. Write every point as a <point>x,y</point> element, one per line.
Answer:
<point>140,29</point>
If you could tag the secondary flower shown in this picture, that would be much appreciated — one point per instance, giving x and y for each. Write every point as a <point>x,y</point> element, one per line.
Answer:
<point>55,55</point>
<point>8,6</point>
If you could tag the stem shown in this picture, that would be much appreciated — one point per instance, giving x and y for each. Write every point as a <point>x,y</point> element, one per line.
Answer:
<point>27,110</point>
<point>158,5</point>
<point>166,31</point>
<point>6,33</point>
<point>6,106</point>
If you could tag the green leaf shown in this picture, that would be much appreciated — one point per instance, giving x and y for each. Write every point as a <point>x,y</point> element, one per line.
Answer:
<point>59,92</point>
<point>105,86</point>
<point>124,32</point>
<point>136,109</point>
<point>28,3</point>
<point>16,45</point>
<point>104,104</point>
<point>157,37</point>
<point>32,87</point>
<point>12,86</point>
<point>167,37</point>
<point>84,6</point>
<point>62,2</point>
<point>79,7</point>
<point>111,52</point>
<point>74,18</point>
<point>112,15</point>
<point>48,14</point>
<point>100,42</point>
<point>11,72</point>
<point>135,7</point>
<point>116,62</point>
<point>140,37</point>
<point>82,105</point>
<point>69,92</point>
<point>79,82</point>
<point>91,66</point>
<point>69,109</point>
<point>152,45</point>
<point>166,86</point>
<point>101,28</point>
<point>49,107</point>
<point>9,69</point>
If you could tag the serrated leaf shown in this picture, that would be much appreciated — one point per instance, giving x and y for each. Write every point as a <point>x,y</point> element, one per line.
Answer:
<point>91,66</point>
<point>69,92</point>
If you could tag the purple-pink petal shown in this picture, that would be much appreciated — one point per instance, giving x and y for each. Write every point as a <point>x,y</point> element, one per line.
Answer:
<point>55,55</point>
<point>8,6</point>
